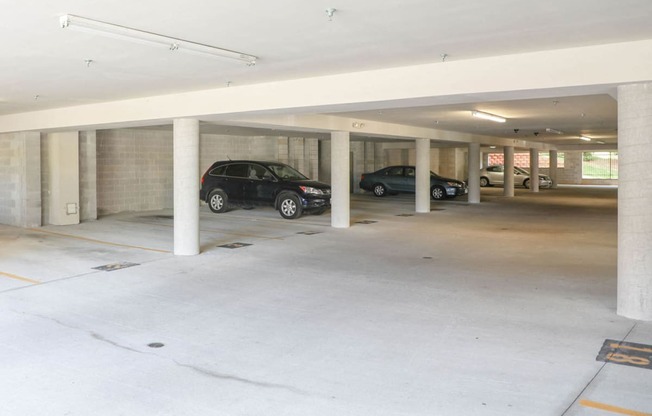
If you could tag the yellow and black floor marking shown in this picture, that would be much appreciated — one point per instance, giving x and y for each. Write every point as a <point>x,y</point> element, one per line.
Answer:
<point>115,266</point>
<point>626,353</point>
<point>235,245</point>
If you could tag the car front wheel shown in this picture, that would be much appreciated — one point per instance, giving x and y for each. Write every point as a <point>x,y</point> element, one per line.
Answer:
<point>438,192</point>
<point>526,183</point>
<point>289,206</point>
<point>218,201</point>
<point>380,190</point>
<point>484,182</point>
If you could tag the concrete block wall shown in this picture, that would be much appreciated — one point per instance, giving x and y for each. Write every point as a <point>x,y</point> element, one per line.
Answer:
<point>20,179</point>
<point>45,180</point>
<point>87,175</point>
<point>134,170</point>
<point>214,147</point>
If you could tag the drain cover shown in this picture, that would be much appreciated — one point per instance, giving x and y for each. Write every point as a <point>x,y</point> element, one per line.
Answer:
<point>365,222</point>
<point>156,345</point>
<point>309,232</point>
<point>405,215</point>
<point>235,245</point>
<point>115,266</point>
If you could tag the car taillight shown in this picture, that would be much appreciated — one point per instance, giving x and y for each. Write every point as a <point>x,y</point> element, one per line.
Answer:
<point>202,179</point>
<point>362,177</point>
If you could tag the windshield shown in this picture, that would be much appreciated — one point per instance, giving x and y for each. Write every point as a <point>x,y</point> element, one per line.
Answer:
<point>286,172</point>
<point>521,170</point>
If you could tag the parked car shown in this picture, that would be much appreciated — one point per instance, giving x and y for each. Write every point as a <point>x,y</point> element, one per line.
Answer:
<point>395,179</point>
<point>495,175</point>
<point>249,183</point>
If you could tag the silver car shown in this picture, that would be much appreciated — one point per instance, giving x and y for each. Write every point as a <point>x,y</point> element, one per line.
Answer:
<point>495,175</point>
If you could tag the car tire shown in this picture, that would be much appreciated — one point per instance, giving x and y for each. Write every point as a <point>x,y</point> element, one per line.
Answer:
<point>526,183</point>
<point>484,182</point>
<point>379,189</point>
<point>289,206</point>
<point>218,202</point>
<point>438,193</point>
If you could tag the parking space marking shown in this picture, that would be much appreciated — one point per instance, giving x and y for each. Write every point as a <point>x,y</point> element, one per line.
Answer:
<point>92,240</point>
<point>612,409</point>
<point>626,353</point>
<point>23,279</point>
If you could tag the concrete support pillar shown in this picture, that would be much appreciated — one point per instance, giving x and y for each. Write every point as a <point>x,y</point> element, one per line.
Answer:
<point>508,183</point>
<point>534,170</point>
<point>553,167</point>
<point>340,180</point>
<point>186,186</point>
<point>634,201</point>
<point>63,150</point>
<point>485,159</point>
<point>422,185</point>
<point>474,173</point>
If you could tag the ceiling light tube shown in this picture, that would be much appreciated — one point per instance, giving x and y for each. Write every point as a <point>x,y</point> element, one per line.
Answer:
<point>487,116</point>
<point>554,131</point>
<point>586,139</point>
<point>134,35</point>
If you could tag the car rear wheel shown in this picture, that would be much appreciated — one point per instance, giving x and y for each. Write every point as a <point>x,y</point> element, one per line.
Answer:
<point>218,201</point>
<point>289,206</point>
<point>484,182</point>
<point>438,192</point>
<point>380,190</point>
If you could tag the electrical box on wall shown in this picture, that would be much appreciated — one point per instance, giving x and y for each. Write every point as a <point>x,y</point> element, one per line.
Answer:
<point>71,208</point>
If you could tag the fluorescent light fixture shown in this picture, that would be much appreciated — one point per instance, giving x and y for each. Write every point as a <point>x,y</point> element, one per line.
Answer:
<point>586,139</point>
<point>134,35</point>
<point>554,131</point>
<point>487,116</point>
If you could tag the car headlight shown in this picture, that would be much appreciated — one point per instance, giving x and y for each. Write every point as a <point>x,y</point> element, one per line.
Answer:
<point>312,191</point>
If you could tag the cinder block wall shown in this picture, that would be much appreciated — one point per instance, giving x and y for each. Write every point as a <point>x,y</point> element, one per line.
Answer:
<point>134,170</point>
<point>20,179</point>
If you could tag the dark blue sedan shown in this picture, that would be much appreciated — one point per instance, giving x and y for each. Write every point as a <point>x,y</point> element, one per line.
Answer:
<point>395,179</point>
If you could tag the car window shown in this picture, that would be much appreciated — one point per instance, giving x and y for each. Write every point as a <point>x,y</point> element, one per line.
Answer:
<point>395,171</point>
<point>218,171</point>
<point>258,172</point>
<point>239,170</point>
<point>409,172</point>
<point>286,172</point>
<point>495,169</point>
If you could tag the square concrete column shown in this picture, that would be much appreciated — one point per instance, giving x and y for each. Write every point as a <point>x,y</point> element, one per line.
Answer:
<point>422,179</point>
<point>340,180</point>
<point>63,151</point>
<point>634,201</point>
<point>553,167</point>
<point>186,186</point>
<point>485,159</point>
<point>534,170</point>
<point>474,173</point>
<point>508,181</point>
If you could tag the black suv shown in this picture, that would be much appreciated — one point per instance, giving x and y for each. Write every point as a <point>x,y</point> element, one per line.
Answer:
<point>248,183</point>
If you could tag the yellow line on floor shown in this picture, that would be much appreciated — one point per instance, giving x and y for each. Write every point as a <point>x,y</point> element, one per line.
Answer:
<point>24,279</point>
<point>92,240</point>
<point>613,409</point>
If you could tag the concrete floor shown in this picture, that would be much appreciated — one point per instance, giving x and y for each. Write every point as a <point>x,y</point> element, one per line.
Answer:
<point>491,309</point>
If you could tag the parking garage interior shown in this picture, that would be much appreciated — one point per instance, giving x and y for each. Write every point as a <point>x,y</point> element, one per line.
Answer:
<point>122,293</point>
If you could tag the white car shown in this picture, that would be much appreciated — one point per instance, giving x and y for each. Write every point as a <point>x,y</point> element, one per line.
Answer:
<point>495,175</point>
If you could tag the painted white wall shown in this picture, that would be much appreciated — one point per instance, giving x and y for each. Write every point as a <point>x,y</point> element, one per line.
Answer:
<point>63,150</point>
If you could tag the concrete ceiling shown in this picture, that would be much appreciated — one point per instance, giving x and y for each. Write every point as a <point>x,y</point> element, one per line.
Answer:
<point>44,66</point>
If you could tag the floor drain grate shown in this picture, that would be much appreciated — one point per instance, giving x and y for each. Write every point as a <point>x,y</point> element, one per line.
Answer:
<point>115,266</point>
<point>309,232</point>
<point>156,345</point>
<point>405,215</point>
<point>366,222</point>
<point>437,209</point>
<point>235,245</point>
